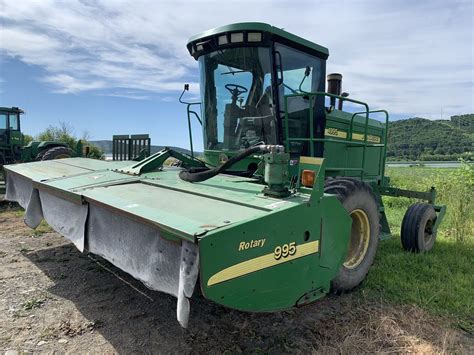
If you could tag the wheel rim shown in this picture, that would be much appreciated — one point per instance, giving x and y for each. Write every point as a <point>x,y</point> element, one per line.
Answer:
<point>359,240</point>
<point>428,232</point>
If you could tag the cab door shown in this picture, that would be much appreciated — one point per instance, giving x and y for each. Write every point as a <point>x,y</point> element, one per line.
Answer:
<point>14,136</point>
<point>292,65</point>
<point>14,128</point>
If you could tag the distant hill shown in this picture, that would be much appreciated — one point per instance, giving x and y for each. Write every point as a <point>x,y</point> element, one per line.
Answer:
<point>106,147</point>
<point>422,139</point>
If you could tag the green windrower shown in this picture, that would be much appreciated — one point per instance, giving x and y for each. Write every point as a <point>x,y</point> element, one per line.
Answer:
<point>283,206</point>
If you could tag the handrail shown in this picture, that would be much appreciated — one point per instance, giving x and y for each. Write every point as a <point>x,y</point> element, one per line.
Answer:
<point>189,112</point>
<point>366,132</point>
<point>385,139</point>
<point>310,96</point>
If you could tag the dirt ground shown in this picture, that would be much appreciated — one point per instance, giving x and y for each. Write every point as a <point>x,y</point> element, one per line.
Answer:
<point>55,299</point>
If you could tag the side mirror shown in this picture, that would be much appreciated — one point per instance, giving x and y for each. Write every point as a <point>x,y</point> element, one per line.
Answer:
<point>186,87</point>
<point>307,71</point>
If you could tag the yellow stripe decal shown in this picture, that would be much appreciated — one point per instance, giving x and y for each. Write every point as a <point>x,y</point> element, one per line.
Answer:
<point>311,160</point>
<point>334,132</point>
<point>261,262</point>
<point>370,138</point>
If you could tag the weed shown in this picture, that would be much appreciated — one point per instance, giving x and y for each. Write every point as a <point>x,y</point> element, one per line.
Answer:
<point>42,229</point>
<point>49,333</point>
<point>456,188</point>
<point>19,213</point>
<point>32,304</point>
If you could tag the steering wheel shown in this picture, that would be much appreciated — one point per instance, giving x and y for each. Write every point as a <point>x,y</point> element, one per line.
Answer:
<point>236,90</point>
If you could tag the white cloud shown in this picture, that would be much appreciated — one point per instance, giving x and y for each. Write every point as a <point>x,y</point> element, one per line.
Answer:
<point>129,95</point>
<point>412,58</point>
<point>67,84</point>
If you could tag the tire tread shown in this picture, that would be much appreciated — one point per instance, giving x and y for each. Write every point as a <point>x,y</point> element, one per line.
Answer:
<point>343,188</point>
<point>411,226</point>
<point>50,153</point>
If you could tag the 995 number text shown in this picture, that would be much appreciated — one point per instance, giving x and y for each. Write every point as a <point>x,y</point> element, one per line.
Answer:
<point>285,250</point>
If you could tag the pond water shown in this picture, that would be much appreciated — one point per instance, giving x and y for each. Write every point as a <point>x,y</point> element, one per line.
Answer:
<point>429,164</point>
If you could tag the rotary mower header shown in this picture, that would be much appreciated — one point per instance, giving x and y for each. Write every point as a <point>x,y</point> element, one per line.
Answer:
<point>283,207</point>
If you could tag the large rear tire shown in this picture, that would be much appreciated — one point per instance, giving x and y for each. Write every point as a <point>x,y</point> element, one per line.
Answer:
<point>57,153</point>
<point>360,202</point>
<point>417,233</point>
<point>40,155</point>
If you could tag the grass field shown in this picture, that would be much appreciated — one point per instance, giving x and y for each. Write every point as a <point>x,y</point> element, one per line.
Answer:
<point>441,281</point>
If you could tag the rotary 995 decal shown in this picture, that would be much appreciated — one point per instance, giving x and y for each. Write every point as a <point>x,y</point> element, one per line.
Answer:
<point>281,254</point>
<point>285,250</point>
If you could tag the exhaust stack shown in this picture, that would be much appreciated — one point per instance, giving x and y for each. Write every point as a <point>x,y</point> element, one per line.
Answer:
<point>335,87</point>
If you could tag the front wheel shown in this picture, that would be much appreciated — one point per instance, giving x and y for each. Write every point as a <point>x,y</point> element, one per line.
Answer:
<point>360,202</point>
<point>417,232</point>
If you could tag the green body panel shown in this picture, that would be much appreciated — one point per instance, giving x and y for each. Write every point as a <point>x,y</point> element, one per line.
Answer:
<point>16,138</point>
<point>284,285</point>
<point>53,169</point>
<point>341,157</point>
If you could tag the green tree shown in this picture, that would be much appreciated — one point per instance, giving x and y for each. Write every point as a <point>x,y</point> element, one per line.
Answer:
<point>65,133</point>
<point>27,139</point>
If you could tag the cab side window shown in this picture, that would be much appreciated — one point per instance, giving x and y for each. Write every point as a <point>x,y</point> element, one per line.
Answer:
<point>298,72</point>
<point>293,65</point>
<point>14,124</point>
<point>3,121</point>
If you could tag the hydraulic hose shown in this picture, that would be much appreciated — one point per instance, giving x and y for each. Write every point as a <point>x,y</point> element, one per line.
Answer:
<point>197,174</point>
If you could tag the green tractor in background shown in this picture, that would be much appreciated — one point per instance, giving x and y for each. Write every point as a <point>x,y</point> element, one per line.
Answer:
<point>12,148</point>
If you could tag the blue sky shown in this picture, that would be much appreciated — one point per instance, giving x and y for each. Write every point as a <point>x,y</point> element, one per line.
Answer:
<point>109,67</point>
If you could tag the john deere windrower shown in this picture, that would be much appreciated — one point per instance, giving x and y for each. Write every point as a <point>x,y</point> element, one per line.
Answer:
<point>283,207</point>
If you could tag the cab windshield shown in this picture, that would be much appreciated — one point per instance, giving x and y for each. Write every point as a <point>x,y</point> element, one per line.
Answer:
<point>237,98</point>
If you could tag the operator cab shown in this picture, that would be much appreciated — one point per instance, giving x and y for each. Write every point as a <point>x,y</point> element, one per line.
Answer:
<point>246,70</point>
<point>9,119</point>
<point>11,138</point>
